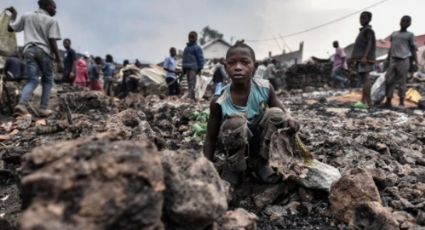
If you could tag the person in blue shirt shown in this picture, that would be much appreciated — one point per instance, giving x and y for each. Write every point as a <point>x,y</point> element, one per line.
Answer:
<point>193,62</point>
<point>243,118</point>
<point>108,74</point>
<point>172,71</point>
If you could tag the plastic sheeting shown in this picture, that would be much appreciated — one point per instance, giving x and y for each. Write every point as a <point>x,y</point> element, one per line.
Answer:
<point>378,89</point>
<point>201,86</point>
<point>8,44</point>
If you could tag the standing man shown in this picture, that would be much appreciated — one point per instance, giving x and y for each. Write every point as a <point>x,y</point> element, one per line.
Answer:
<point>403,49</point>
<point>193,62</point>
<point>170,68</point>
<point>270,73</point>
<point>41,31</point>
<point>69,61</point>
<point>338,66</point>
<point>363,55</point>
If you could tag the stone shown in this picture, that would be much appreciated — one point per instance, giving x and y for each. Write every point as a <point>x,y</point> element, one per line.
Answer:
<point>195,195</point>
<point>420,218</point>
<point>404,219</point>
<point>238,219</point>
<point>355,187</point>
<point>275,212</point>
<point>372,216</point>
<point>320,176</point>
<point>269,194</point>
<point>98,182</point>
<point>23,122</point>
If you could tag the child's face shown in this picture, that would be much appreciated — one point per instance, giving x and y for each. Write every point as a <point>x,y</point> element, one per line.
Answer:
<point>66,44</point>
<point>405,22</point>
<point>239,64</point>
<point>192,38</point>
<point>51,8</point>
<point>364,19</point>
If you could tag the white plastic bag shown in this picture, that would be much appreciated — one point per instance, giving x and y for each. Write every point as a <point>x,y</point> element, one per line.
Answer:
<point>378,89</point>
<point>201,86</point>
<point>8,44</point>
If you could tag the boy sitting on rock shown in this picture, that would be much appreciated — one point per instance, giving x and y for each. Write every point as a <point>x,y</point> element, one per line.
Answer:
<point>243,118</point>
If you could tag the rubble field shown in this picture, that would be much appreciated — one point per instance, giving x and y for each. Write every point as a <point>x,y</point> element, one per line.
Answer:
<point>137,163</point>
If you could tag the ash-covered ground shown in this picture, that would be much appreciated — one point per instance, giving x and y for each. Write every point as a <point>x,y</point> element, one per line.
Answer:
<point>136,163</point>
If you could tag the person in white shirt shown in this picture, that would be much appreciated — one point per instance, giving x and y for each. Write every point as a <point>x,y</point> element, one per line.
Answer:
<point>41,31</point>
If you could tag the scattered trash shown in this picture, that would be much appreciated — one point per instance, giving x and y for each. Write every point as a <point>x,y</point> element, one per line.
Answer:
<point>413,96</point>
<point>360,105</point>
<point>334,140</point>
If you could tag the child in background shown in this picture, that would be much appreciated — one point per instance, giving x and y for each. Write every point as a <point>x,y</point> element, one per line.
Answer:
<point>81,72</point>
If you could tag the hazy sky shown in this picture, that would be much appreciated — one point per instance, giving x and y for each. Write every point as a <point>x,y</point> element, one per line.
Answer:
<point>145,29</point>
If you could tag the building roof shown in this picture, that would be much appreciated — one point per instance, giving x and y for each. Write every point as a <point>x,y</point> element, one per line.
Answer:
<point>386,43</point>
<point>210,43</point>
<point>291,56</point>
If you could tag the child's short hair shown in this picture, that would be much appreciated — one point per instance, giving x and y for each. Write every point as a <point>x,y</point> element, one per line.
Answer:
<point>44,3</point>
<point>241,44</point>
<point>193,34</point>
<point>368,14</point>
<point>109,58</point>
<point>407,17</point>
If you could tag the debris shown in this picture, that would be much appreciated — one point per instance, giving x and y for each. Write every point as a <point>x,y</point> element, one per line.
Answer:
<point>7,126</point>
<point>195,195</point>
<point>4,137</point>
<point>3,199</point>
<point>269,194</point>
<point>355,187</point>
<point>239,219</point>
<point>23,122</point>
<point>14,132</point>
<point>292,159</point>
<point>378,89</point>
<point>107,174</point>
<point>413,95</point>
<point>41,122</point>
<point>371,215</point>
<point>320,176</point>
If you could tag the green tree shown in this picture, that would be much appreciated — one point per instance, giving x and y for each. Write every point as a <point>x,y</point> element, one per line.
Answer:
<point>208,34</point>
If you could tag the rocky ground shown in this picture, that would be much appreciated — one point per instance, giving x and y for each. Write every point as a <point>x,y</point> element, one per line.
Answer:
<point>136,163</point>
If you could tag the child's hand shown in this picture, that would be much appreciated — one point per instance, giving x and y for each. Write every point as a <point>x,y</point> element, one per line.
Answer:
<point>293,125</point>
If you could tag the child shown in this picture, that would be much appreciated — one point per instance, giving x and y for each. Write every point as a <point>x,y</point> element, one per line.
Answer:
<point>96,75</point>
<point>170,68</point>
<point>193,62</point>
<point>81,72</point>
<point>363,55</point>
<point>338,66</point>
<point>402,49</point>
<point>41,31</point>
<point>108,74</point>
<point>243,118</point>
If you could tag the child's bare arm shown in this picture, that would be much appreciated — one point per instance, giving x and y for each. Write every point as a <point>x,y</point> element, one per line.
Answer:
<point>274,102</point>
